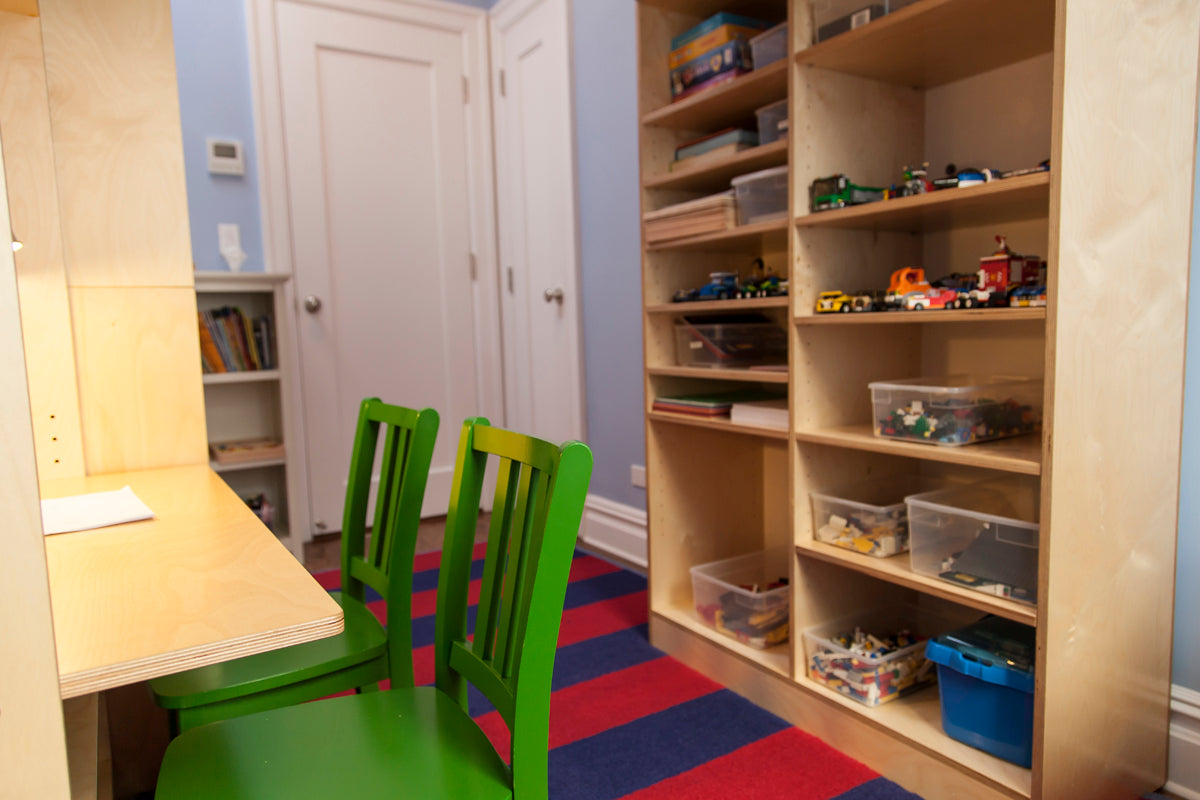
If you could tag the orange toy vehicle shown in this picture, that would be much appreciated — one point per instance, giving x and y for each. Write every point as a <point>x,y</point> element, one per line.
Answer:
<point>905,280</point>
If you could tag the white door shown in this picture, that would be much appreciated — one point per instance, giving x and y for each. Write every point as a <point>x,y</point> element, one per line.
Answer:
<point>388,196</point>
<point>535,175</point>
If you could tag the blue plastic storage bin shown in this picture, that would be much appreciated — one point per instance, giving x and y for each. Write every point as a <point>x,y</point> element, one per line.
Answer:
<point>985,678</point>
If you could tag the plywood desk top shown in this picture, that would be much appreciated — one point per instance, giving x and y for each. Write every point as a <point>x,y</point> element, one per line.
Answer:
<point>203,582</point>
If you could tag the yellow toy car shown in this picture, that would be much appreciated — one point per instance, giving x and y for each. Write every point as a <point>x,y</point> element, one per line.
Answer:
<point>828,302</point>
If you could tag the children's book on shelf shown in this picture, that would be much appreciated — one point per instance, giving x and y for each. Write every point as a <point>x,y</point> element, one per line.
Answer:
<point>233,341</point>
<point>711,404</point>
<point>761,413</point>
<point>710,214</point>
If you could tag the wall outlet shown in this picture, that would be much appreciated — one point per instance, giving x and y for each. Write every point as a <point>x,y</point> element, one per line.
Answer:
<point>637,475</point>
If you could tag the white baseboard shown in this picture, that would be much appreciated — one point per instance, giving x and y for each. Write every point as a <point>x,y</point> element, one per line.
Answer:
<point>614,529</point>
<point>1183,760</point>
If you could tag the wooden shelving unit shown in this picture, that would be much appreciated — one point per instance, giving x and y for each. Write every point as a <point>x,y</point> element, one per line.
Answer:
<point>252,404</point>
<point>1013,82</point>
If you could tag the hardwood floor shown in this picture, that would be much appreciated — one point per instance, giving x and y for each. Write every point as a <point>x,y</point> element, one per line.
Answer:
<point>325,551</point>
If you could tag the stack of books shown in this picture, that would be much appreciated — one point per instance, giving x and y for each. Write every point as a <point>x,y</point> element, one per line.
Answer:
<point>231,341</point>
<point>710,214</point>
<point>713,147</point>
<point>716,404</point>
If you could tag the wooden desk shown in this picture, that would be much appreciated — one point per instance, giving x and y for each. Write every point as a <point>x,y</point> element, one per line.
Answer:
<point>203,582</point>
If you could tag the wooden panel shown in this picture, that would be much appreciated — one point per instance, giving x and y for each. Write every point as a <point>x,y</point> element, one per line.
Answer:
<point>81,717</point>
<point>114,109</point>
<point>26,7</point>
<point>141,398</point>
<point>1115,372</point>
<point>933,42</point>
<point>1021,454</point>
<point>718,424</point>
<point>763,235</point>
<point>32,729</point>
<point>41,273</point>
<point>203,582</point>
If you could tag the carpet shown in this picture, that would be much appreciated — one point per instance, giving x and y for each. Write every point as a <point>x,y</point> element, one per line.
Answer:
<point>628,721</point>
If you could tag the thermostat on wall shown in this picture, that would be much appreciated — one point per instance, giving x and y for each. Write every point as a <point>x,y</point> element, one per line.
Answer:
<point>225,157</point>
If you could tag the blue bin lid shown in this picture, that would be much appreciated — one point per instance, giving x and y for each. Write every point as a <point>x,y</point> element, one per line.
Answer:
<point>995,650</point>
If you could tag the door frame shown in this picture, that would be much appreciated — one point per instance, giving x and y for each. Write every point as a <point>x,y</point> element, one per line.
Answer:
<point>517,395</point>
<point>472,24</point>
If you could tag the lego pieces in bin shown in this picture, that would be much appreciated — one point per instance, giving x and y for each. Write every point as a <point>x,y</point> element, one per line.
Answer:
<point>958,421</point>
<point>886,538</point>
<point>877,668</point>
<point>760,628</point>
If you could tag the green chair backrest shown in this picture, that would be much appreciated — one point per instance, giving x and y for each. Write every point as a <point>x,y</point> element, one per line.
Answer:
<point>386,566</point>
<point>538,505</point>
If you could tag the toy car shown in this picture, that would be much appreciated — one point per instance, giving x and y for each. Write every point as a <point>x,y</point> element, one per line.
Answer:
<point>720,286</point>
<point>916,181</point>
<point>1027,296</point>
<point>934,298</point>
<point>828,302</point>
<point>904,281</point>
<point>764,283</point>
<point>837,191</point>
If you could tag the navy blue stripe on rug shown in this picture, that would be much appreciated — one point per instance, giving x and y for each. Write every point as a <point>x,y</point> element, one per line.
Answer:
<point>629,757</point>
<point>611,652</point>
<point>878,789</point>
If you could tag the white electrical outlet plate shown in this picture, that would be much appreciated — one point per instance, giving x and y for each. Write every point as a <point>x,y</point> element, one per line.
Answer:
<point>637,475</point>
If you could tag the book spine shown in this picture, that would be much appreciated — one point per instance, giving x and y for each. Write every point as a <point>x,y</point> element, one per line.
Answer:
<point>231,340</point>
<point>217,331</point>
<point>210,356</point>
<point>251,345</point>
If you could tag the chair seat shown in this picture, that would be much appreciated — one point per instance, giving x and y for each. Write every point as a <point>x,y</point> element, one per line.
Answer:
<point>363,639</point>
<point>400,743</point>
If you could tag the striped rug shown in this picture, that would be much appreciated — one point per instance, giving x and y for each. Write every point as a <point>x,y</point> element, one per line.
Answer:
<point>628,721</point>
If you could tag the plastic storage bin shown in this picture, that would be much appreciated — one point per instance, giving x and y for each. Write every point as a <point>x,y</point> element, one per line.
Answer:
<point>869,517</point>
<point>772,122</point>
<point>956,409</point>
<point>874,679</point>
<point>831,17</point>
<point>761,196</point>
<point>983,536</point>
<point>985,677</point>
<point>733,341</point>
<point>745,597</point>
<point>769,46</point>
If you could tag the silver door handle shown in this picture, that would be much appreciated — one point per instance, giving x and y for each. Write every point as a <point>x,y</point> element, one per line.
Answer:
<point>312,303</point>
<point>555,294</point>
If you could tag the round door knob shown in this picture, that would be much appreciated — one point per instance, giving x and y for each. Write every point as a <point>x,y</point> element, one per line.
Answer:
<point>552,295</point>
<point>312,303</point>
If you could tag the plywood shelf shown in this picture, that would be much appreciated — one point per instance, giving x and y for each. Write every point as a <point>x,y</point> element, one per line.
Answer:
<point>717,374</point>
<point>898,571</point>
<point>715,176</point>
<point>728,104</point>
<point>716,424</point>
<point>775,659</point>
<point>1020,198</point>
<point>761,235</point>
<point>934,42</point>
<point>701,306</point>
<point>1020,454</point>
<point>245,465</point>
<point>925,317</point>
<point>241,376</point>
<point>918,718</point>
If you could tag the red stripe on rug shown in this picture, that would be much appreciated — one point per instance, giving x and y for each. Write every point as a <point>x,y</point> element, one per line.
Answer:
<point>628,694</point>
<point>790,764</point>
<point>605,616</point>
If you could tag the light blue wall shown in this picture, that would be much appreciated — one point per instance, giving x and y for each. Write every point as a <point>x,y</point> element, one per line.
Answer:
<point>1186,664</point>
<point>605,55</point>
<point>213,68</point>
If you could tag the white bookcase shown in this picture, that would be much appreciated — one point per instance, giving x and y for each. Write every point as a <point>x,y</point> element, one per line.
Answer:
<point>259,403</point>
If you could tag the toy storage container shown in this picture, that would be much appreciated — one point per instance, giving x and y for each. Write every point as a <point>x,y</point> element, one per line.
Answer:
<point>772,122</point>
<point>761,196</point>
<point>746,597</point>
<point>868,517</point>
<point>869,673</point>
<point>831,17</point>
<point>985,678</point>
<point>955,410</point>
<point>981,535</point>
<point>729,343</point>
<point>769,46</point>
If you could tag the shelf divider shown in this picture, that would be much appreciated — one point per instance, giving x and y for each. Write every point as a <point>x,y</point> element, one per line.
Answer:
<point>1020,454</point>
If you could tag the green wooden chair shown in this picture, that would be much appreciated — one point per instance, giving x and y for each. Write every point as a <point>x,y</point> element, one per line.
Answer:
<point>363,654</point>
<point>420,742</point>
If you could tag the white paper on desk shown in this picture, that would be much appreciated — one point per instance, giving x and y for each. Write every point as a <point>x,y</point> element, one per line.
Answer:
<point>82,512</point>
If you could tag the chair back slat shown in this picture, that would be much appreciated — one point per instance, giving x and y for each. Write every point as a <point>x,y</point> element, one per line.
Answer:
<point>386,566</point>
<point>537,509</point>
